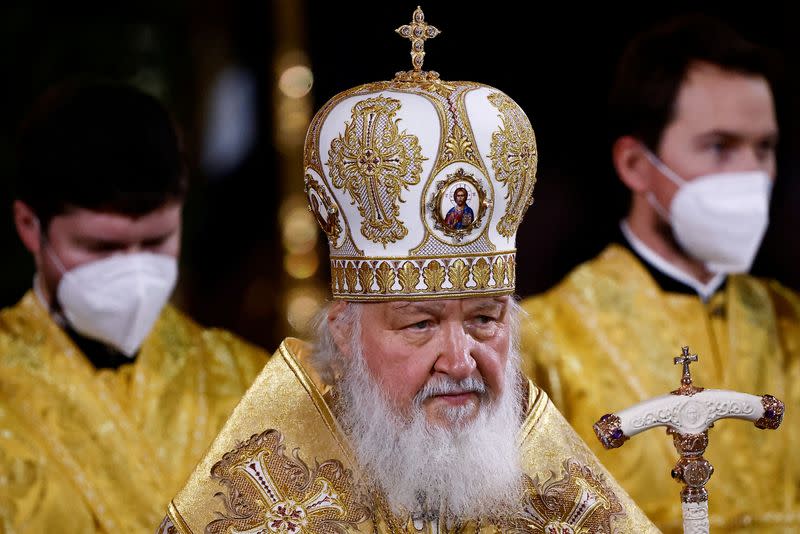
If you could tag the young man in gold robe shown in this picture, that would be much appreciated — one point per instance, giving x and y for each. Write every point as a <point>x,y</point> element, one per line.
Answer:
<point>694,141</point>
<point>108,395</point>
<point>409,413</point>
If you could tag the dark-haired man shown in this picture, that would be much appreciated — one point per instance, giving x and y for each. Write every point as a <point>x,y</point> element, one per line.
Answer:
<point>99,377</point>
<point>694,141</point>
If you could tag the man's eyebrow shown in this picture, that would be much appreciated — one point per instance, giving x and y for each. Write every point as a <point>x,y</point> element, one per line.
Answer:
<point>736,136</point>
<point>100,240</point>
<point>489,304</point>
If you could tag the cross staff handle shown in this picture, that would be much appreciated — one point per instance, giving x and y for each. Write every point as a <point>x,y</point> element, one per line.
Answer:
<point>688,415</point>
<point>688,418</point>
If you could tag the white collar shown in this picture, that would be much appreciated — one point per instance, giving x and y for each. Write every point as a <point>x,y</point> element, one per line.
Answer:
<point>39,292</point>
<point>704,290</point>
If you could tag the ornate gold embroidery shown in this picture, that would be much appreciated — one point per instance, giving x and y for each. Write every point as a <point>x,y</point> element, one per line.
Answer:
<point>337,280</point>
<point>409,277</point>
<point>511,270</point>
<point>458,274</point>
<point>373,161</point>
<point>269,492</point>
<point>324,210</point>
<point>499,272</point>
<point>385,275</point>
<point>458,146</point>
<point>354,277</point>
<point>434,276</point>
<point>366,277</point>
<point>351,275</point>
<point>578,503</point>
<point>514,157</point>
<point>481,271</point>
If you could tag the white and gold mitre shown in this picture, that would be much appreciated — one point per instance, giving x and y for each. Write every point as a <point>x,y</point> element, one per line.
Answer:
<point>420,184</point>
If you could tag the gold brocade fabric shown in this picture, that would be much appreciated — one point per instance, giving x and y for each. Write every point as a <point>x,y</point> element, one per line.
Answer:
<point>85,451</point>
<point>281,464</point>
<point>604,339</point>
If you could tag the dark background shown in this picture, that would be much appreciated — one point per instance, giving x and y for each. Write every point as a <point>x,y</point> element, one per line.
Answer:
<point>555,59</point>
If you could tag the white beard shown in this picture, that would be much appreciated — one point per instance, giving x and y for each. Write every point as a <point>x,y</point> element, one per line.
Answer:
<point>468,471</point>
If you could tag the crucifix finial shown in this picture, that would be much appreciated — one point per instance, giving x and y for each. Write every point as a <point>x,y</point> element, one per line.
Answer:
<point>687,388</point>
<point>418,32</point>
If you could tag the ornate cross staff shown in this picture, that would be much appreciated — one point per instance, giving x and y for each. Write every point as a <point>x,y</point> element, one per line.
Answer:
<point>688,413</point>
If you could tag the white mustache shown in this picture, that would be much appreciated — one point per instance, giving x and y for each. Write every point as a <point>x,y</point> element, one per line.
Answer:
<point>448,386</point>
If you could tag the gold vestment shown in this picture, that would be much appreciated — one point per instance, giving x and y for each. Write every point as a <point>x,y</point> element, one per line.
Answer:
<point>282,464</point>
<point>85,450</point>
<point>604,339</point>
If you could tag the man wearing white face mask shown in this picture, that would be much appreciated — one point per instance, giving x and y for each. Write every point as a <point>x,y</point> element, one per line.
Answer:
<point>694,134</point>
<point>97,371</point>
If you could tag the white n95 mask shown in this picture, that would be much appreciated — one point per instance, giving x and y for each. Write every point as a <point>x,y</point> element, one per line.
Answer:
<point>719,219</point>
<point>117,300</point>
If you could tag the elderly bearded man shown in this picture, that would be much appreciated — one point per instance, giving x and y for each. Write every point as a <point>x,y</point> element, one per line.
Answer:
<point>410,413</point>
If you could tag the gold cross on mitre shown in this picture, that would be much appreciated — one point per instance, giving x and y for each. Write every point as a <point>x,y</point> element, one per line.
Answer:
<point>417,32</point>
<point>686,379</point>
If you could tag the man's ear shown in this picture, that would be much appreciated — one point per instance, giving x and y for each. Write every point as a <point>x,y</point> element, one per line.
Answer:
<point>340,329</point>
<point>631,163</point>
<point>27,224</point>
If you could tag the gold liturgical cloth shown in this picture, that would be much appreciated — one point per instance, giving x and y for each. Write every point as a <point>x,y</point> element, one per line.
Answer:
<point>597,343</point>
<point>85,450</point>
<point>281,462</point>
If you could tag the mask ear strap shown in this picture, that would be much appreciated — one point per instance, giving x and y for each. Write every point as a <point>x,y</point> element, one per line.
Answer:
<point>651,198</point>
<point>671,175</point>
<point>49,250</point>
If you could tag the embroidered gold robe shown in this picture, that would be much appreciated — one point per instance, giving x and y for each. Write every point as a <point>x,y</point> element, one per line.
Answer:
<point>604,339</point>
<point>86,450</point>
<point>281,464</point>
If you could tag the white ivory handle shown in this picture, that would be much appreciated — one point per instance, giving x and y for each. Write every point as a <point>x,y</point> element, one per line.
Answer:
<point>695,518</point>
<point>690,414</point>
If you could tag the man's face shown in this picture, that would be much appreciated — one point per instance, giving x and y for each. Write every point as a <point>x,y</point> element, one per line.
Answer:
<point>81,236</point>
<point>408,344</point>
<point>461,198</point>
<point>724,122</point>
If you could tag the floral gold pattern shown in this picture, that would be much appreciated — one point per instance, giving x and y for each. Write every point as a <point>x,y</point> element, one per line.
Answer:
<point>514,158</point>
<point>409,277</point>
<point>351,277</point>
<point>374,161</point>
<point>458,146</point>
<point>385,275</point>
<point>434,276</point>
<point>481,273</point>
<point>458,274</point>
<point>337,280</point>
<point>366,277</point>
<point>268,491</point>
<point>499,269</point>
<point>385,279</point>
<point>579,502</point>
<point>511,270</point>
